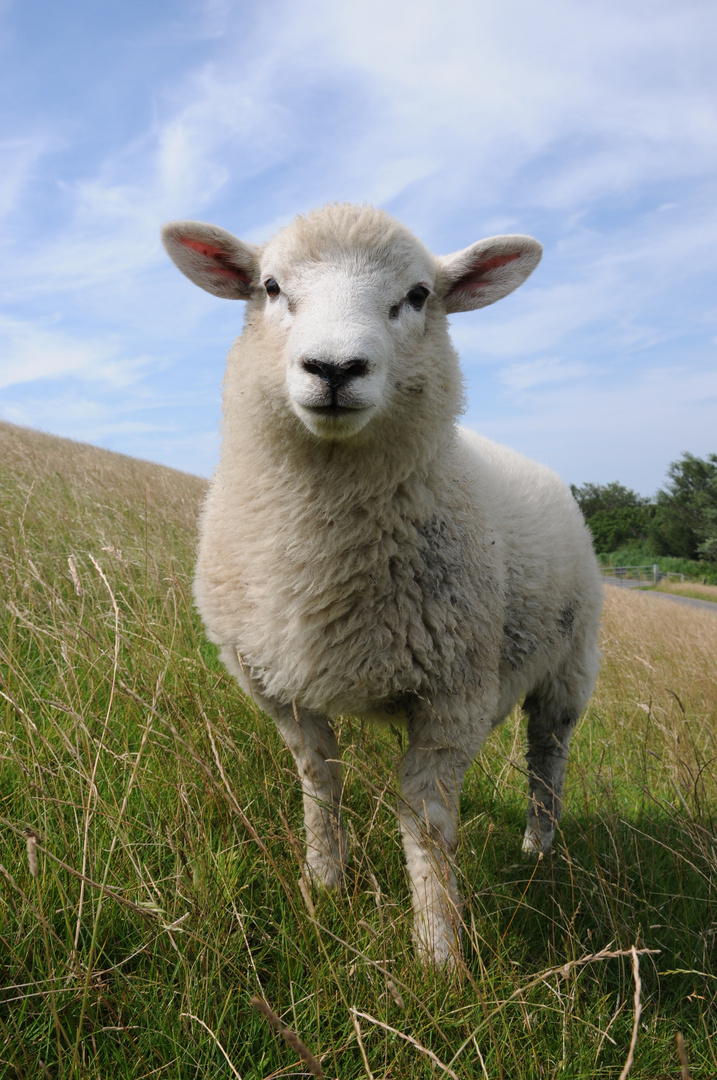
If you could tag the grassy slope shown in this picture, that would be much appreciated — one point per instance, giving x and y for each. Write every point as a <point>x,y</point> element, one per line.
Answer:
<point>168,817</point>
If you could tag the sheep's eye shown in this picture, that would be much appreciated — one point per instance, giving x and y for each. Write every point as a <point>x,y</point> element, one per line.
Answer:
<point>272,287</point>
<point>418,296</point>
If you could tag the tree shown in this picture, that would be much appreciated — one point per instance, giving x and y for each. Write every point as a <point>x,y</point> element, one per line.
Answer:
<point>592,498</point>
<point>626,526</point>
<point>616,516</point>
<point>685,523</point>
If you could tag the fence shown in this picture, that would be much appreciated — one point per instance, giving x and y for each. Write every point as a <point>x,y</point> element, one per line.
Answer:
<point>622,575</point>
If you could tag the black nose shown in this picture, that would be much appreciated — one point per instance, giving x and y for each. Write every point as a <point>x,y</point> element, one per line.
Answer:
<point>335,375</point>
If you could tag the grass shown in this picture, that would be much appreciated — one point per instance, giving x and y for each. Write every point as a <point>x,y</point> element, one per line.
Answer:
<point>164,818</point>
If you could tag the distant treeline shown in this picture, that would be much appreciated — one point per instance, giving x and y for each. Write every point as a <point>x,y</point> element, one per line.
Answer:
<point>679,523</point>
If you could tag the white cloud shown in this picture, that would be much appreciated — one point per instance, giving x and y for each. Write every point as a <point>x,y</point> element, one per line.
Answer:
<point>30,353</point>
<point>497,84</point>
<point>543,370</point>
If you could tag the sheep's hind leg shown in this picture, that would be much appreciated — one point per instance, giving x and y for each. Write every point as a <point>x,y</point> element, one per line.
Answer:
<point>552,716</point>
<point>431,780</point>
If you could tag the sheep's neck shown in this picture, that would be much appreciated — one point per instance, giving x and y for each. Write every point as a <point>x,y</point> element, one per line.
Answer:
<point>329,480</point>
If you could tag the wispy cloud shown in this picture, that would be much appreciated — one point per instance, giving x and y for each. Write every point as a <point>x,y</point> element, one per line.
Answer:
<point>543,370</point>
<point>31,352</point>
<point>19,160</point>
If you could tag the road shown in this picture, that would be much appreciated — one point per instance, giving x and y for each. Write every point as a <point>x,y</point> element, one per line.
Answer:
<point>621,583</point>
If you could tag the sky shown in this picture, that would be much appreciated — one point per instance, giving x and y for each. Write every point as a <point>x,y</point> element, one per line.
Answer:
<point>591,126</point>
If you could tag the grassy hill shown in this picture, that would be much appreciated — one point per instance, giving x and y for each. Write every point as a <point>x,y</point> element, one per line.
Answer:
<point>151,849</point>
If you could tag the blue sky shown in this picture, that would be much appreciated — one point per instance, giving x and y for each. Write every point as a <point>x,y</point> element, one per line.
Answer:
<point>590,126</point>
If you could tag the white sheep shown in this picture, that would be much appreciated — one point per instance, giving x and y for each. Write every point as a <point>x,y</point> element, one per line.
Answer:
<point>361,554</point>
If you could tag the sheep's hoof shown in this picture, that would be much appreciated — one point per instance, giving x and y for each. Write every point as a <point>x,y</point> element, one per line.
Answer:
<point>323,871</point>
<point>438,946</point>
<point>536,844</point>
<point>312,880</point>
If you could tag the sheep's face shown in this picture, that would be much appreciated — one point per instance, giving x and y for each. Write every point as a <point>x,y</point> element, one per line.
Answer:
<point>347,294</point>
<point>347,324</point>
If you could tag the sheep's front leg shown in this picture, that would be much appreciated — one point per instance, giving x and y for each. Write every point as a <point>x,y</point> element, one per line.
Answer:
<point>312,742</point>
<point>431,780</point>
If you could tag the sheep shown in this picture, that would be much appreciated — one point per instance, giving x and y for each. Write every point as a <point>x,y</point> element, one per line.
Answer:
<point>361,554</point>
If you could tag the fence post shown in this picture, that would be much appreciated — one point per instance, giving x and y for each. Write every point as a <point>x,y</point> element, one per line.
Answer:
<point>656,574</point>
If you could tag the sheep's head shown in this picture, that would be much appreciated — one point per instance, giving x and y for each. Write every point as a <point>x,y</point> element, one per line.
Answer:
<point>348,292</point>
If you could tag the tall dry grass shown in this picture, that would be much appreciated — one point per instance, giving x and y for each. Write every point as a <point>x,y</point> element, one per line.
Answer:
<point>151,846</point>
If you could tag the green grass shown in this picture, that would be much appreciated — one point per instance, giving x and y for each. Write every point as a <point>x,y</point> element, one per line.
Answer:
<point>170,844</point>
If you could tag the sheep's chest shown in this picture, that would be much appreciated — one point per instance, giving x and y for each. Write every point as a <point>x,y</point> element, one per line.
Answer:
<point>355,615</point>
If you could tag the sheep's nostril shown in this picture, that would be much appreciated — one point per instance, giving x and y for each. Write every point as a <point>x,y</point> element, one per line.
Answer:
<point>314,367</point>
<point>356,368</point>
<point>335,375</point>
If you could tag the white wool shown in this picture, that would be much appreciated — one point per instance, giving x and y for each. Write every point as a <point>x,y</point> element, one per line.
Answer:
<point>361,554</point>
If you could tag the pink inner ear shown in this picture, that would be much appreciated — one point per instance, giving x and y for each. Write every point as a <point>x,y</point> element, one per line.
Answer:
<point>496,261</point>
<point>203,248</point>
<point>474,279</point>
<point>210,251</point>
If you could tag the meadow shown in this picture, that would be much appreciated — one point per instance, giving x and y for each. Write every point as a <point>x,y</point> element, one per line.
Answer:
<point>150,842</point>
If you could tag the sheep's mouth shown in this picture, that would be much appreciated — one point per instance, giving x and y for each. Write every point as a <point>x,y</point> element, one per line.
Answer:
<point>334,421</point>
<point>333,410</point>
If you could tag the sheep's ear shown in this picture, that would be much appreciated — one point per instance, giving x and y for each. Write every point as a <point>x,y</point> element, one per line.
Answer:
<point>212,258</point>
<point>486,271</point>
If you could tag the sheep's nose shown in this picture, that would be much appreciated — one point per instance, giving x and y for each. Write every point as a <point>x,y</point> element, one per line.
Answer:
<point>336,375</point>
